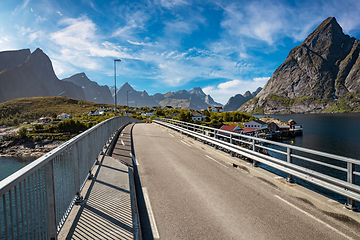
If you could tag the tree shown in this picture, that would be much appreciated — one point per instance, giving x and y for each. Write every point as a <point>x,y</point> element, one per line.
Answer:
<point>22,132</point>
<point>16,121</point>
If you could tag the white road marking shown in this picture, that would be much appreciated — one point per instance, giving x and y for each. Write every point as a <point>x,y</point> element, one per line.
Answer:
<point>122,134</point>
<point>278,177</point>
<point>171,135</point>
<point>151,214</point>
<point>185,143</point>
<point>315,218</point>
<point>216,161</point>
<point>134,160</point>
<point>122,142</point>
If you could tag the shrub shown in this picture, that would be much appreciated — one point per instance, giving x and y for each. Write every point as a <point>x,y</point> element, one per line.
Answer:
<point>22,132</point>
<point>38,127</point>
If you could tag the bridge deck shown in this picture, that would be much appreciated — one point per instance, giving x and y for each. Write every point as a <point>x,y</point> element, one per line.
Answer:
<point>107,211</point>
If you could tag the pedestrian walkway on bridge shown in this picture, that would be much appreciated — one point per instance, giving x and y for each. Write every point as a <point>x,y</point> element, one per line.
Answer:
<point>108,207</point>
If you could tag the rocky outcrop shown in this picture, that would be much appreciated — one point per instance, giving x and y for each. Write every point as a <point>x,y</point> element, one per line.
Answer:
<point>35,78</point>
<point>27,147</point>
<point>236,101</point>
<point>320,75</point>
<point>93,91</point>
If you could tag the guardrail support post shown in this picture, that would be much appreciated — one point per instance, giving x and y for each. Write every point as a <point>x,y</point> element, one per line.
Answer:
<point>215,136</point>
<point>351,203</point>
<point>289,160</point>
<point>254,163</point>
<point>50,200</point>
<point>76,159</point>
<point>231,141</point>
<point>203,133</point>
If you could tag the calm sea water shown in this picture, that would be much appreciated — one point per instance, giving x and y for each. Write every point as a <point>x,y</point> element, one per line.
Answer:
<point>331,133</point>
<point>9,165</point>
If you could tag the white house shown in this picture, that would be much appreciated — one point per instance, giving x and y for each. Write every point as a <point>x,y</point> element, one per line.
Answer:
<point>64,116</point>
<point>256,124</point>
<point>215,109</point>
<point>196,115</point>
<point>101,112</point>
<point>148,114</point>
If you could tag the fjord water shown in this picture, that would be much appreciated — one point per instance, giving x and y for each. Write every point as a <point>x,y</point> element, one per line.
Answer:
<point>337,134</point>
<point>9,165</point>
<point>332,133</point>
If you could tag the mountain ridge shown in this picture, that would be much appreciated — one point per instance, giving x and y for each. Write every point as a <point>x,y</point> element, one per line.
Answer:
<point>325,68</point>
<point>193,99</point>
<point>92,90</point>
<point>35,77</point>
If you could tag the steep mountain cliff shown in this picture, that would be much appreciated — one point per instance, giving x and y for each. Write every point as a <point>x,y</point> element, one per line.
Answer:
<point>236,101</point>
<point>320,75</point>
<point>34,78</point>
<point>93,91</point>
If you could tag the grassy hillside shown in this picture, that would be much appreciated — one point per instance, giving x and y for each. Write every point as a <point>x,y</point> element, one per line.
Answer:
<point>29,109</point>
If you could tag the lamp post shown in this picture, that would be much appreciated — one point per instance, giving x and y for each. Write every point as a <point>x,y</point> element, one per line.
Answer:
<point>115,60</point>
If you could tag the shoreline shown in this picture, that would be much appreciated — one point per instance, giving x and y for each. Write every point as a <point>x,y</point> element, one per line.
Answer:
<point>21,148</point>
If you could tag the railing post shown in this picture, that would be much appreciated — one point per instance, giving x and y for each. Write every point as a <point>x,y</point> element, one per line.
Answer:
<point>76,171</point>
<point>254,163</point>
<point>351,203</point>
<point>289,160</point>
<point>215,136</point>
<point>203,133</point>
<point>231,142</point>
<point>50,200</point>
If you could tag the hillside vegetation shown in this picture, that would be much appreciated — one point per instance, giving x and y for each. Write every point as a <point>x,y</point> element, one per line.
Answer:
<point>21,110</point>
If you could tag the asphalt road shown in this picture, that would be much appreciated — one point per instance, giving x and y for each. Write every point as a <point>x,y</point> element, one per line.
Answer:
<point>190,192</point>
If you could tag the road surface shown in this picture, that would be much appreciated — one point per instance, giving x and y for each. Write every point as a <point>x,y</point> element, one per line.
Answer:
<point>190,191</point>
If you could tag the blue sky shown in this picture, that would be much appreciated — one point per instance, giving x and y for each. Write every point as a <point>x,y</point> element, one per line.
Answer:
<point>224,47</point>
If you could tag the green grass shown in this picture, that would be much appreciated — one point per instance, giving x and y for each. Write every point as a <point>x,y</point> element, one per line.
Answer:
<point>258,111</point>
<point>287,101</point>
<point>340,106</point>
<point>21,110</point>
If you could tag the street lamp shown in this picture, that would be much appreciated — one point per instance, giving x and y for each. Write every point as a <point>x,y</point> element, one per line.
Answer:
<point>115,60</point>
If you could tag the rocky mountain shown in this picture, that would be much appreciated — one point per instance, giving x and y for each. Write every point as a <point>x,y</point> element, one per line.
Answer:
<point>93,91</point>
<point>11,59</point>
<point>32,76</point>
<point>320,75</point>
<point>127,95</point>
<point>236,101</point>
<point>194,99</point>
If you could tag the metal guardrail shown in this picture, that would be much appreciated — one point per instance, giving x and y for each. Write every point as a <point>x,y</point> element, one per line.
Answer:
<point>36,200</point>
<point>338,174</point>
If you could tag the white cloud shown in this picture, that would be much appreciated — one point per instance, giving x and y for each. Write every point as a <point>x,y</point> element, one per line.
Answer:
<point>135,22</point>
<point>80,45</point>
<point>22,6</point>
<point>223,91</point>
<point>171,3</point>
<point>141,43</point>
